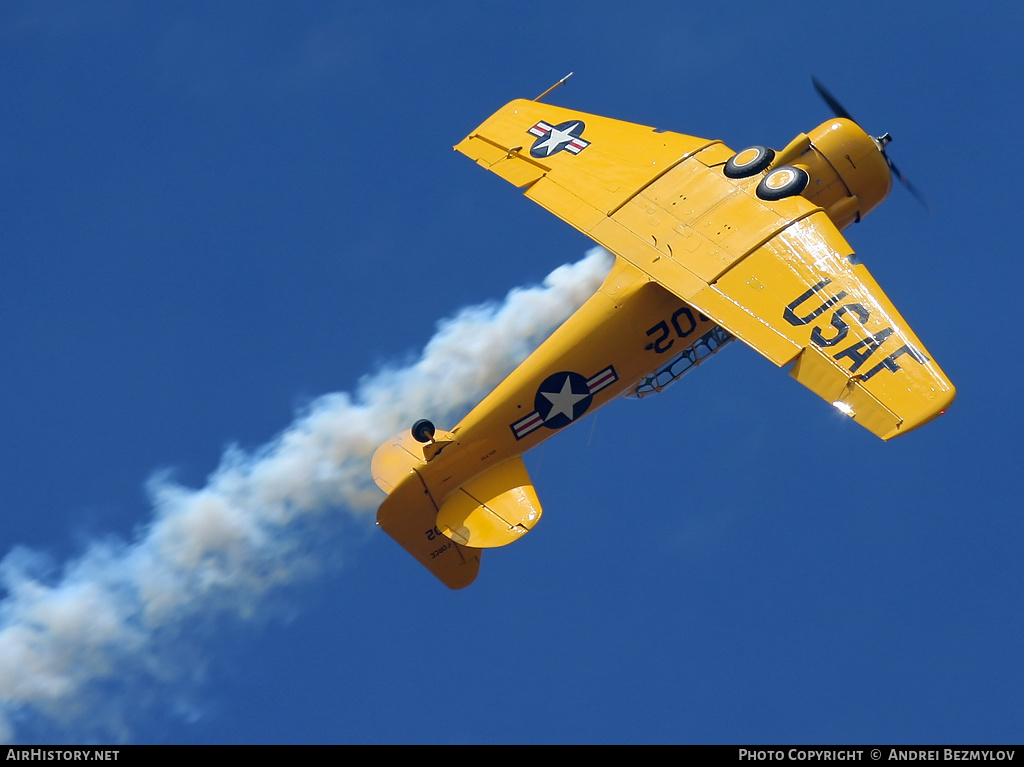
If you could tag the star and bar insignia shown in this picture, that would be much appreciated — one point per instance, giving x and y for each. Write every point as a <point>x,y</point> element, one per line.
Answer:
<point>555,138</point>
<point>561,399</point>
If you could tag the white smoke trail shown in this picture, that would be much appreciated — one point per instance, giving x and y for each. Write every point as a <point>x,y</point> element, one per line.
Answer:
<point>66,642</point>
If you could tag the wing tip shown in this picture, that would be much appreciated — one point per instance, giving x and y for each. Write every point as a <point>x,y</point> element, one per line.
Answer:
<point>939,407</point>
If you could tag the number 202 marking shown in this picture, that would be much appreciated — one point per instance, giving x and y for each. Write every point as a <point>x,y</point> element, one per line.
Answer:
<point>664,340</point>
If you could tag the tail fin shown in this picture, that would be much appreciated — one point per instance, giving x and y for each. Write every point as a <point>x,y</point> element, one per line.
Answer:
<point>446,535</point>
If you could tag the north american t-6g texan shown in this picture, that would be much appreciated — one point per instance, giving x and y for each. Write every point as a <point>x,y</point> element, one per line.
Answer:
<point>711,245</point>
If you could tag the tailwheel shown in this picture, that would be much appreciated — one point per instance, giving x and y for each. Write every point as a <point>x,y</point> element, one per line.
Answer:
<point>423,430</point>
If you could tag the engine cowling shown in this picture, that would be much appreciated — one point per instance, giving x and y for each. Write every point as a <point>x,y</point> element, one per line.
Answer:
<point>849,175</point>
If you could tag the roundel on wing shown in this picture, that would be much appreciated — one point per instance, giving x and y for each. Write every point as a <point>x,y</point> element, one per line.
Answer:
<point>551,139</point>
<point>562,398</point>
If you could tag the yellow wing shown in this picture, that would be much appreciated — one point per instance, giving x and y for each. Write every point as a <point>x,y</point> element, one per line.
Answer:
<point>582,167</point>
<point>778,275</point>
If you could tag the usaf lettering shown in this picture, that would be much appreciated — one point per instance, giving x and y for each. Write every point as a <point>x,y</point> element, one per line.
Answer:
<point>859,352</point>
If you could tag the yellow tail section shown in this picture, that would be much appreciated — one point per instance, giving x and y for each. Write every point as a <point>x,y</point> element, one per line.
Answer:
<point>409,516</point>
<point>446,535</point>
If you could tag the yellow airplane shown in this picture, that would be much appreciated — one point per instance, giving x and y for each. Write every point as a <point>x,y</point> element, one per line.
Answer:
<point>711,245</point>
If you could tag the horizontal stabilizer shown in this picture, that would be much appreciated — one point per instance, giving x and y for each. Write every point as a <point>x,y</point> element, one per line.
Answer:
<point>409,516</point>
<point>492,509</point>
<point>446,533</point>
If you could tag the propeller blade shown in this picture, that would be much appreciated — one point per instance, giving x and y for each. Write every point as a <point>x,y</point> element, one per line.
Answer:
<point>837,109</point>
<point>906,183</point>
<point>840,111</point>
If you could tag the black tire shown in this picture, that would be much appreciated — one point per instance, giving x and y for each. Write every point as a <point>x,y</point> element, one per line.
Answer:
<point>782,182</point>
<point>749,161</point>
<point>423,430</point>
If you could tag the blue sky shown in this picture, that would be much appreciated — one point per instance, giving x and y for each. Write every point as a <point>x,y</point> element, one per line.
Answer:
<point>214,214</point>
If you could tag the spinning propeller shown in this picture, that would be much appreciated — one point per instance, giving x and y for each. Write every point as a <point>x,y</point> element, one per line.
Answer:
<point>882,141</point>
